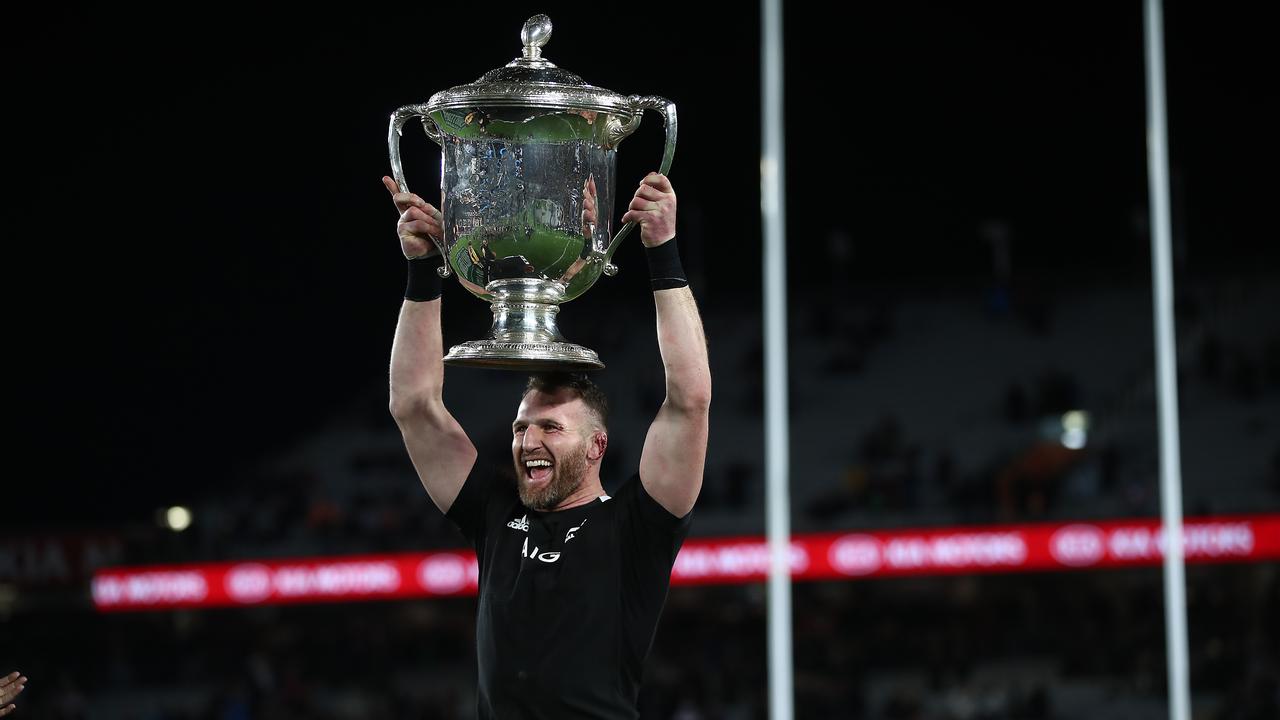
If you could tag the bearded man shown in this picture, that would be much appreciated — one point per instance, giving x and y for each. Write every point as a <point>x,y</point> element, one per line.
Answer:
<point>572,581</point>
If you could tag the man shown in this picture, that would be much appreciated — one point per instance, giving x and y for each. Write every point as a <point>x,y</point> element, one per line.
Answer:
<point>572,581</point>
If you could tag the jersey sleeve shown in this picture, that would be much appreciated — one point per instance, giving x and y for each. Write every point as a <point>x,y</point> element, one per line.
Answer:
<point>651,536</point>
<point>473,510</point>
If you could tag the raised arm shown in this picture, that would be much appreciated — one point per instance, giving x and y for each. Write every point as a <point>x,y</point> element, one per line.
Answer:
<point>675,448</point>
<point>439,448</point>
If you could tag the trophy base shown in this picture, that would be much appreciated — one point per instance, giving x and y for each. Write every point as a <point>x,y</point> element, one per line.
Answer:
<point>524,334</point>
<point>523,356</point>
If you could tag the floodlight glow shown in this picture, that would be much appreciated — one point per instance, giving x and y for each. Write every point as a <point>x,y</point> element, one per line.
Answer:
<point>178,518</point>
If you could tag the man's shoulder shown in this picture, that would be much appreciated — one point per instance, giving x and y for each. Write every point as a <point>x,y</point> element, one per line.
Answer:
<point>484,499</point>
<point>633,495</point>
<point>627,488</point>
<point>629,493</point>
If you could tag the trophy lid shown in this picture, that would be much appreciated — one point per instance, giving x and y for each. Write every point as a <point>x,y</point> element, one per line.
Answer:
<point>532,81</point>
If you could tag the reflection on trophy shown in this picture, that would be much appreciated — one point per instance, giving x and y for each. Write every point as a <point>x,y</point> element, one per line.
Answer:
<point>527,191</point>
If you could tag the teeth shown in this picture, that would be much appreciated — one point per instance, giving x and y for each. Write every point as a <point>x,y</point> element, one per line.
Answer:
<point>538,463</point>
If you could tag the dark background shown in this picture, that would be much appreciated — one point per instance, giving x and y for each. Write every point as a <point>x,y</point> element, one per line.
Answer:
<point>204,264</point>
<point>202,272</point>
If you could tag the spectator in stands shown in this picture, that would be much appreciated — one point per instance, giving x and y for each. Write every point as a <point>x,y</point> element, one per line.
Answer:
<point>11,686</point>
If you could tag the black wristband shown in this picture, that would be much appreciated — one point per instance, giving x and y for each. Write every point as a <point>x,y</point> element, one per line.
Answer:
<point>665,270</point>
<point>424,280</point>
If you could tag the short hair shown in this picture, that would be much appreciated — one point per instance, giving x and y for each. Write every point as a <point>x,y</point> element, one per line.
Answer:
<point>580,385</point>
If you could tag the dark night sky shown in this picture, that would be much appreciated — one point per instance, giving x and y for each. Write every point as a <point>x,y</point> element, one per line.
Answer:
<point>206,263</point>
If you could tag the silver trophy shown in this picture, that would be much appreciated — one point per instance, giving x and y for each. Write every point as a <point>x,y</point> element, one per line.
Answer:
<point>527,190</point>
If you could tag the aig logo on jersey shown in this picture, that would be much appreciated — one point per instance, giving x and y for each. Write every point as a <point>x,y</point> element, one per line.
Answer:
<point>546,557</point>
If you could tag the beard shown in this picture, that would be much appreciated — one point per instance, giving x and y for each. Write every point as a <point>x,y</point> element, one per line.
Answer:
<point>567,475</point>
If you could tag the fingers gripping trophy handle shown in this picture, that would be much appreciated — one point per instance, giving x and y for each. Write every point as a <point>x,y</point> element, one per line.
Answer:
<point>667,110</point>
<point>398,119</point>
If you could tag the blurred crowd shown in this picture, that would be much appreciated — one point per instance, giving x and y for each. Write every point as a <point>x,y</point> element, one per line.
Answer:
<point>1026,647</point>
<point>998,454</point>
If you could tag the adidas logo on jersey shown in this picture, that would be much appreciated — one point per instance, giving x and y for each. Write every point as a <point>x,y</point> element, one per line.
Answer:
<point>522,524</point>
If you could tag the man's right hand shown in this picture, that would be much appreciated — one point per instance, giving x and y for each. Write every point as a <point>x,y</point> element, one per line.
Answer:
<point>439,448</point>
<point>419,223</point>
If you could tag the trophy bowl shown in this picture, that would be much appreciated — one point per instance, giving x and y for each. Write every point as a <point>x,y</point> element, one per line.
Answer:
<point>527,187</point>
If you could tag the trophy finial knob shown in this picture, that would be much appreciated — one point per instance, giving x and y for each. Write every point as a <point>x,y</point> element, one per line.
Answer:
<point>536,33</point>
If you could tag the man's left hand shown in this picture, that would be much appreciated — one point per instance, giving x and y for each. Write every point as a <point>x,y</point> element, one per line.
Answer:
<point>654,209</point>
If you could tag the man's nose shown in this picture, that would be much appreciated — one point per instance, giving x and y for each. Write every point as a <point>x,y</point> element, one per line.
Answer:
<point>531,438</point>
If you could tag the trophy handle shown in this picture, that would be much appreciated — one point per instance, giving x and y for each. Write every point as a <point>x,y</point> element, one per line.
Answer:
<point>398,119</point>
<point>667,110</point>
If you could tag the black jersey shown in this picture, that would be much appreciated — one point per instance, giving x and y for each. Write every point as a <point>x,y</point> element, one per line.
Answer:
<point>569,600</point>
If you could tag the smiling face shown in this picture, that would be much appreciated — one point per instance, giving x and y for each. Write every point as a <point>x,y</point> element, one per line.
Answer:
<point>556,441</point>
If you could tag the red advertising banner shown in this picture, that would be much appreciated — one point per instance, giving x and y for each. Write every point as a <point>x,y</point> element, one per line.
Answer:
<point>983,549</point>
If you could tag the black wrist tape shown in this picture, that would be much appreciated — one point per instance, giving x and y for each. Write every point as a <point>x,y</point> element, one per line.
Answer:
<point>665,270</point>
<point>424,280</point>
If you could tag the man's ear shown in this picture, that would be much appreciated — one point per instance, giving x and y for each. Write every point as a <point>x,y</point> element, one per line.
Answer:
<point>599,443</point>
